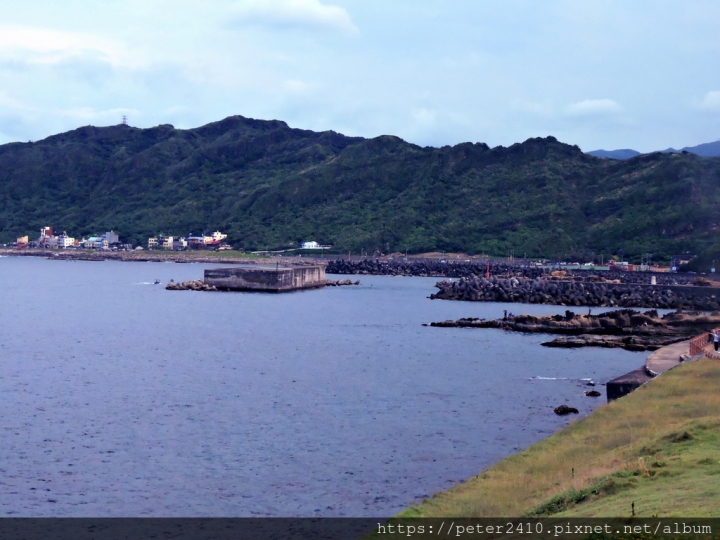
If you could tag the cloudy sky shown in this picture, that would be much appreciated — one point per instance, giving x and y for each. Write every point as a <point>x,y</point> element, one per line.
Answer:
<point>599,74</point>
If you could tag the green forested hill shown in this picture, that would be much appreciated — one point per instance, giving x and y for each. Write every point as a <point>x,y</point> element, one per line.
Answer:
<point>269,186</point>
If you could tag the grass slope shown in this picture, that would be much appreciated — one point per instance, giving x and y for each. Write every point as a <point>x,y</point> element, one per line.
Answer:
<point>657,447</point>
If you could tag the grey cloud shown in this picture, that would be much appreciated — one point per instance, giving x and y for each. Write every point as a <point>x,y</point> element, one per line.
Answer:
<point>302,14</point>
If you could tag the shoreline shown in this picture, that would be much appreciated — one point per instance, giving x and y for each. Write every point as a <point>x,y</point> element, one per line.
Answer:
<point>652,448</point>
<point>180,257</point>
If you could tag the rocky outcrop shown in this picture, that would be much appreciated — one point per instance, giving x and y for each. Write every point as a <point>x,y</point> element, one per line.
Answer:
<point>624,328</point>
<point>629,343</point>
<point>341,282</point>
<point>562,410</point>
<point>195,285</point>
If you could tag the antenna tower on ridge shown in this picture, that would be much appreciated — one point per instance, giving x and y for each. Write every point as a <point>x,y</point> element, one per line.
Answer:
<point>124,120</point>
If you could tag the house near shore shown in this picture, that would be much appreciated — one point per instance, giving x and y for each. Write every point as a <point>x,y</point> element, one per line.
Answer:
<point>214,241</point>
<point>112,238</point>
<point>94,242</point>
<point>62,241</point>
<point>313,245</point>
<point>163,242</point>
<point>50,240</point>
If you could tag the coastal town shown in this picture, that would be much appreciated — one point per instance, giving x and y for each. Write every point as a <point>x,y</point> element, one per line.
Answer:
<point>110,240</point>
<point>217,241</point>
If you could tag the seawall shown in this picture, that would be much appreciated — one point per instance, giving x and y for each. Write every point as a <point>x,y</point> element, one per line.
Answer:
<point>657,363</point>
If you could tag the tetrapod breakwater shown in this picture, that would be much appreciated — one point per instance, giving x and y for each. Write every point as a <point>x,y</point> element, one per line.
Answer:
<point>579,293</point>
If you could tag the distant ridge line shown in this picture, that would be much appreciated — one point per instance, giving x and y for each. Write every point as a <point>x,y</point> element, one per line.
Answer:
<point>711,149</point>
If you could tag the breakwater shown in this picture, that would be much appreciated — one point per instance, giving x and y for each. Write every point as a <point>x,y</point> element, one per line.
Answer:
<point>468,269</point>
<point>579,293</point>
<point>382,267</point>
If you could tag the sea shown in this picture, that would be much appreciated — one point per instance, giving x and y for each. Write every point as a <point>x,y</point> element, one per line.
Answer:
<point>123,399</point>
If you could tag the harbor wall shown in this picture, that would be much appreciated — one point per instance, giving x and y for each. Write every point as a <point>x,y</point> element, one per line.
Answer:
<point>278,279</point>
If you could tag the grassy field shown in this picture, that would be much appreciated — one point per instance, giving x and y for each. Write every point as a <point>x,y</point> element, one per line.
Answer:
<point>659,448</point>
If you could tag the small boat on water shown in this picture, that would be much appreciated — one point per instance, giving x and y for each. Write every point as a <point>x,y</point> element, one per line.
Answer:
<point>157,282</point>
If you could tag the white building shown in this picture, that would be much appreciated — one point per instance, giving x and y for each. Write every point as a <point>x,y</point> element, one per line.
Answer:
<point>179,243</point>
<point>217,236</point>
<point>166,242</point>
<point>310,245</point>
<point>62,241</point>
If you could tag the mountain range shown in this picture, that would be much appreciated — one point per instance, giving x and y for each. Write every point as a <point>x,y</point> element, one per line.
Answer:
<point>269,186</point>
<point>711,149</point>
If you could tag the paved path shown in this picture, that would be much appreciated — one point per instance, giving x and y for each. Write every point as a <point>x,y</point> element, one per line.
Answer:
<point>667,358</point>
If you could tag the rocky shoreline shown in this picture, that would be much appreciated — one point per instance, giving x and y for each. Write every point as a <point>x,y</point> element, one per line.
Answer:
<point>194,285</point>
<point>200,285</point>
<point>626,328</point>
<point>208,257</point>
<point>341,282</point>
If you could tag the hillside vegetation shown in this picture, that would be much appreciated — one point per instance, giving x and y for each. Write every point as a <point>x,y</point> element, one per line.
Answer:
<point>269,186</point>
<point>656,447</point>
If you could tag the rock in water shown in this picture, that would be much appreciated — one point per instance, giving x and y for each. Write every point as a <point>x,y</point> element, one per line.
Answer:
<point>592,393</point>
<point>562,410</point>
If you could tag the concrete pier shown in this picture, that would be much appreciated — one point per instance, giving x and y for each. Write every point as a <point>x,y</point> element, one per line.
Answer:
<point>267,279</point>
<point>623,385</point>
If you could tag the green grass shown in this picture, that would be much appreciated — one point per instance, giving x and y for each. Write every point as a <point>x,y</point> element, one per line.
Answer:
<point>659,448</point>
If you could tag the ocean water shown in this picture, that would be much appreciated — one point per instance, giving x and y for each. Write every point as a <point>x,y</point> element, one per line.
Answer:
<point>120,398</point>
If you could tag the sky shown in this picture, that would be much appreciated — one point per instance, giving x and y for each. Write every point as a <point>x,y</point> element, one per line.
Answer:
<point>600,74</point>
